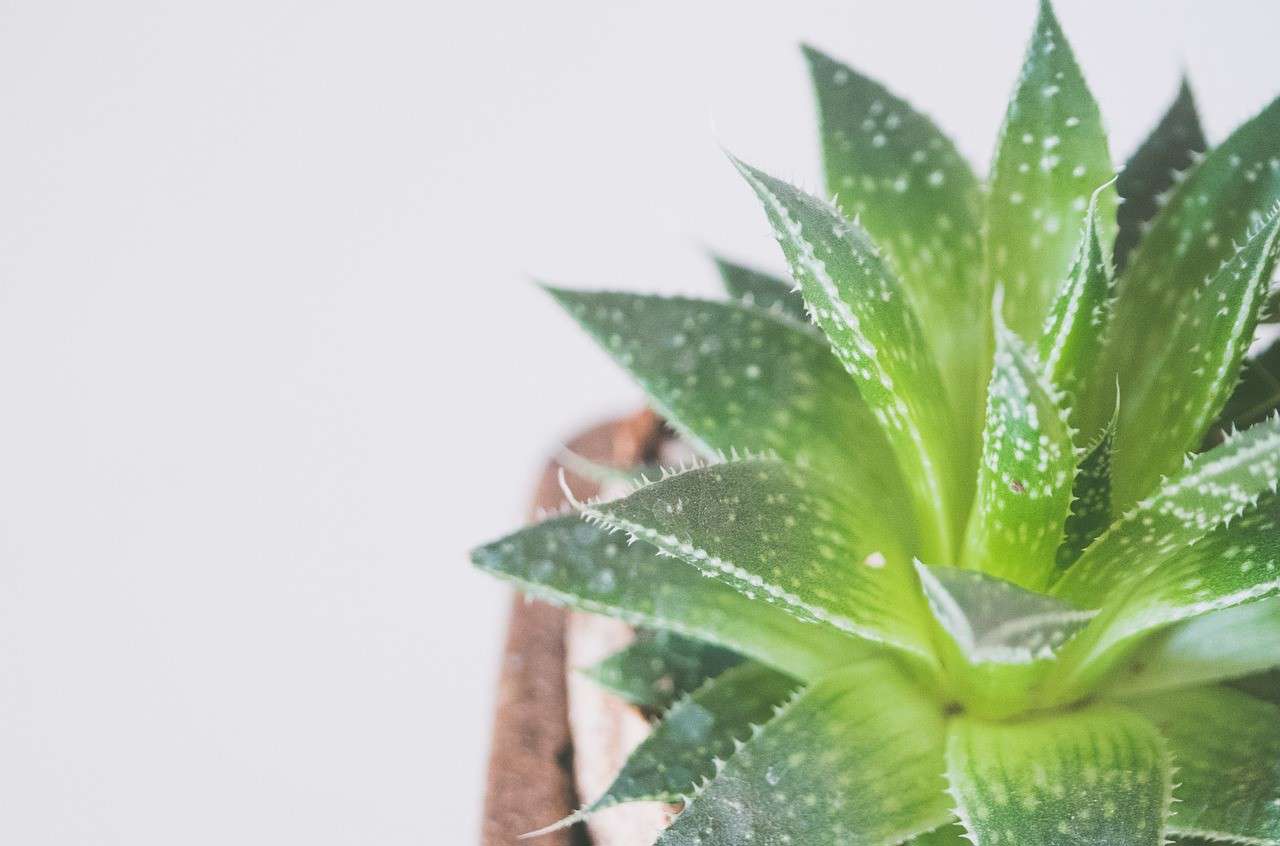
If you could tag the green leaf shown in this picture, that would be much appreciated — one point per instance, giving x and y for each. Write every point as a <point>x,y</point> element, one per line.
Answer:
<point>891,168</point>
<point>731,377</point>
<point>1219,646</point>
<point>1000,639</point>
<point>1258,393</point>
<point>951,834</point>
<point>857,758</point>
<point>1226,747</point>
<point>1169,151</point>
<point>995,621</point>
<point>1214,488</point>
<point>1090,499</point>
<point>1222,200</point>
<point>699,730</point>
<point>568,562</point>
<point>1230,566</point>
<point>860,304</point>
<point>1052,153</point>
<point>1071,343</point>
<point>784,536</point>
<point>760,289</point>
<point>1024,480</point>
<point>1168,413</point>
<point>1264,686</point>
<point>659,667</point>
<point>1098,776</point>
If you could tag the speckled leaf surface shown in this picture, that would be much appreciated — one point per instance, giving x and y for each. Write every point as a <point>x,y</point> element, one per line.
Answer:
<point>1226,747</point>
<point>1218,646</point>
<point>1213,488</point>
<point>995,621</point>
<point>1152,171</point>
<point>659,667</point>
<point>1024,480</point>
<point>1051,155</point>
<point>700,729</point>
<point>1071,343</point>
<point>860,304</point>
<point>1168,413</point>
<point>890,167</point>
<point>1098,776</point>
<point>1258,393</point>
<point>999,639</point>
<point>783,537</point>
<point>1222,200</point>
<point>857,758</point>
<point>762,290</point>
<point>1090,499</point>
<point>568,562</point>
<point>732,377</point>
<point>1228,567</point>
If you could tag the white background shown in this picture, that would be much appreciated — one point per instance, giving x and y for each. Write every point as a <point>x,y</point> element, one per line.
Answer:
<point>270,360</point>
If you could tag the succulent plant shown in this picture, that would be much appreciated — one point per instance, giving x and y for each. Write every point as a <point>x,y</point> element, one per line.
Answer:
<point>984,535</point>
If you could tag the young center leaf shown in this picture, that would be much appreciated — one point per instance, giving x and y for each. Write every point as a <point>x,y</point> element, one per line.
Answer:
<point>1226,747</point>
<point>785,537</point>
<point>1051,155</point>
<point>1024,480</point>
<point>760,289</point>
<point>862,307</point>
<point>1169,151</point>
<point>568,562</point>
<point>893,170</point>
<point>857,758</point>
<point>732,377</point>
<point>1185,384</point>
<point>1098,775</point>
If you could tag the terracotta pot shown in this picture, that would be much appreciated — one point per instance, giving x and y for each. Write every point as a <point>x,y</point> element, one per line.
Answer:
<point>557,737</point>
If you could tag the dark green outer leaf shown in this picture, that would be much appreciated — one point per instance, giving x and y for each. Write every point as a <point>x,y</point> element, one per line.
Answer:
<point>1258,393</point>
<point>699,730</point>
<point>1226,747</point>
<point>762,290</point>
<point>891,168</point>
<point>1166,411</point>
<point>861,306</point>
<point>1214,209</point>
<point>1171,148</point>
<point>1052,154</point>
<point>788,538</point>
<point>857,758</point>
<point>1098,776</point>
<point>1264,686</point>
<point>659,667</point>
<point>1091,499</point>
<point>566,561</point>
<point>734,378</point>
